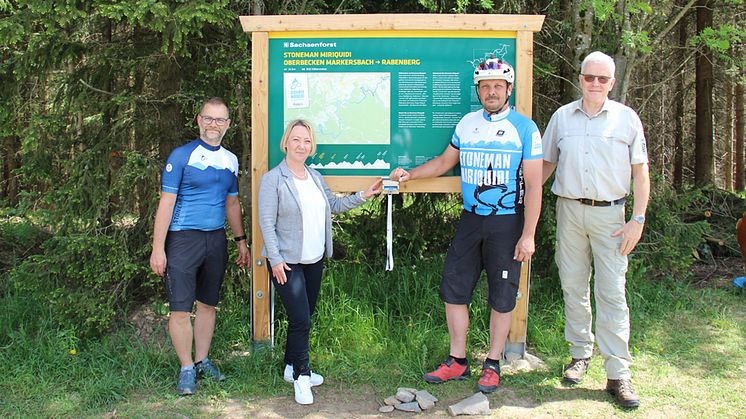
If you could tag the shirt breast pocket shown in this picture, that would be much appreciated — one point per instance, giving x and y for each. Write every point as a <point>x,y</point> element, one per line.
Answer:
<point>569,140</point>
<point>615,144</point>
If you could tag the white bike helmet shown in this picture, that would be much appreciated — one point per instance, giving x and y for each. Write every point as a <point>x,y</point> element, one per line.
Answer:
<point>494,69</point>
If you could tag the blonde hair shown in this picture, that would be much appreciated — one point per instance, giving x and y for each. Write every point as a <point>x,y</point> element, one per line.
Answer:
<point>289,127</point>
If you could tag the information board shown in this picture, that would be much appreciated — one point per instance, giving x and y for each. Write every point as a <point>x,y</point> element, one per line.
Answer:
<point>376,100</point>
<point>383,90</point>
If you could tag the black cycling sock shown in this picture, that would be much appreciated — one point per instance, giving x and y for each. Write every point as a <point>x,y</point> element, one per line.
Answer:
<point>493,362</point>
<point>460,361</point>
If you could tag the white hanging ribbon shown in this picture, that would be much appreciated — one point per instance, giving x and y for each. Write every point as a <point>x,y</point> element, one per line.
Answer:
<point>389,236</point>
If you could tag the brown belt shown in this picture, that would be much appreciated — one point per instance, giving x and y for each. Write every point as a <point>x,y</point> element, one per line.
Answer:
<point>594,203</point>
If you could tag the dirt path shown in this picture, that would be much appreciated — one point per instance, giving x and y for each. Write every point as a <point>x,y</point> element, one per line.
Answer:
<point>335,402</point>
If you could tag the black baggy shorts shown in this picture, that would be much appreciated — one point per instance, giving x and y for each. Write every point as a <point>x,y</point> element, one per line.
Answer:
<point>195,267</point>
<point>483,242</point>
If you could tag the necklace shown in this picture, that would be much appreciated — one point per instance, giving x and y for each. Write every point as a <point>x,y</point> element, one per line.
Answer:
<point>304,176</point>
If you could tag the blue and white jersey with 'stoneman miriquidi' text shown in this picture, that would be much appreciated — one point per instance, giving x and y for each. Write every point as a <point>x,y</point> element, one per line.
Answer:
<point>491,149</point>
<point>201,176</point>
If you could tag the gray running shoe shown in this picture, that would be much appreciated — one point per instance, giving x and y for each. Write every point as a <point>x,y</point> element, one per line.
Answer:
<point>206,369</point>
<point>187,382</point>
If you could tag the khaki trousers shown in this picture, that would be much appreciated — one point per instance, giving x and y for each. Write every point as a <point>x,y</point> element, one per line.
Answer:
<point>584,233</point>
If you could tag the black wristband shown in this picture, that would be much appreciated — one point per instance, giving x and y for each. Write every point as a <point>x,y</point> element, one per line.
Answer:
<point>239,238</point>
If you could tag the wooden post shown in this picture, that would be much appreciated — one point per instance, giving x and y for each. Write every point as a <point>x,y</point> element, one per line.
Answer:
<point>524,45</point>
<point>260,292</point>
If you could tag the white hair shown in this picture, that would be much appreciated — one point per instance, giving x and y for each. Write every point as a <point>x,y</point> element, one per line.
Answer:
<point>598,57</point>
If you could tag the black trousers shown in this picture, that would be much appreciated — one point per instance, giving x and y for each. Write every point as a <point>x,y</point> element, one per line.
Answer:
<point>299,295</point>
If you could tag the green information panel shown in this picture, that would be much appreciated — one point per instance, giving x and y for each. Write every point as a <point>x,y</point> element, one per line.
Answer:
<point>375,103</point>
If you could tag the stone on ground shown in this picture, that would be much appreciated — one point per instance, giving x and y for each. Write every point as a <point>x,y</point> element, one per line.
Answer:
<point>405,395</point>
<point>535,362</point>
<point>409,407</point>
<point>425,395</point>
<point>474,405</point>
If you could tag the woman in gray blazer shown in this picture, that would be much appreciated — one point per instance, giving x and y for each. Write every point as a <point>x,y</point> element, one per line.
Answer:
<point>295,208</point>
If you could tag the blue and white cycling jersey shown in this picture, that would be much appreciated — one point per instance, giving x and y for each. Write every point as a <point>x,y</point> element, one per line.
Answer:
<point>201,176</point>
<point>491,149</point>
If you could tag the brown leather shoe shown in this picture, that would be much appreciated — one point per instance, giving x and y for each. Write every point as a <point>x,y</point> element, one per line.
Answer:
<point>576,370</point>
<point>623,393</point>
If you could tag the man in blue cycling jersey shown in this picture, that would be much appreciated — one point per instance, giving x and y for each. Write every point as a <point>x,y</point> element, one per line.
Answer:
<point>199,192</point>
<point>500,155</point>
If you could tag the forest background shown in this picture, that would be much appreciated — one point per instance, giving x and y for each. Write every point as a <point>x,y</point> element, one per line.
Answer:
<point>95,94</point>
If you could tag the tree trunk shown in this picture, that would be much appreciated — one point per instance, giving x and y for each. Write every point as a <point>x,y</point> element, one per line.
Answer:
<point>703,142</point>
<point>244,125</point>
<point>738,122</point>
<point>140,142</point>
<point>624,57</point>
<point>581,17</point>
<point>728,136</point>
<point>576,48</point>
<point>10,163</point>
<point>170,123</point>
<point>257,7</point>
<point>107,116</point>
<point>678,159</point>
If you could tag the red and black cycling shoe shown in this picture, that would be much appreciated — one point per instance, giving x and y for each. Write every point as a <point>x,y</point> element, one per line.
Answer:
<point>490,379</point>
<point>449,370</point>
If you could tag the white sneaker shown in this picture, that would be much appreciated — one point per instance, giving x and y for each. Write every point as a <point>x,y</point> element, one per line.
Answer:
<point>303,394</point>
<point>316,379</point>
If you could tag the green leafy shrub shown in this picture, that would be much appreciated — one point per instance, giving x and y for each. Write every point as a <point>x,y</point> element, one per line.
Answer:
<point>423,224</point>
<point>675,230</point>
<point>83,278</point>
<point>672,233</point>
<point>19,238</point>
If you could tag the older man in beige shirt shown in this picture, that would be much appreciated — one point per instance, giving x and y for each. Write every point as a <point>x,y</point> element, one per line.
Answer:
<point>597,146</point>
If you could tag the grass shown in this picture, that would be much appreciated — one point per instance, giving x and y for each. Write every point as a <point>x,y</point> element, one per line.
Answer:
<point>379,330</point>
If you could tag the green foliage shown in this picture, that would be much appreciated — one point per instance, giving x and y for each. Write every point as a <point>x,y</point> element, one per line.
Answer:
<point>603,9</point>
<point>720,39</point>
<point>367,318</point>
<point>725,41</point>
<point>457,6</point>
<point>177,21</point>
<point>99,92</point>
<point>19,239</point>
<point>639,41</point>
<point>670,240</point>
<point>674,238</point>
<point>542,263</point>
<point>83,278</point>
<point>361,234</point>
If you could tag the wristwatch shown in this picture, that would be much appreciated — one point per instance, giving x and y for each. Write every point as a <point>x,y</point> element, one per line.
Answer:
<point>639,218</point>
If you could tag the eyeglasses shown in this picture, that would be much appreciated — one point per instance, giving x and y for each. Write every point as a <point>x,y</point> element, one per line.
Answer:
<point>590,77</point>
<point>218,121</point>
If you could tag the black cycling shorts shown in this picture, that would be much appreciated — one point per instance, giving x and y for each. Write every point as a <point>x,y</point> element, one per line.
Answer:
<point>483,242</point>
<point>196,262</point>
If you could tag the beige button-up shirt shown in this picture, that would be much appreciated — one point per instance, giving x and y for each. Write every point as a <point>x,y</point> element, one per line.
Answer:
<point>594,153</point>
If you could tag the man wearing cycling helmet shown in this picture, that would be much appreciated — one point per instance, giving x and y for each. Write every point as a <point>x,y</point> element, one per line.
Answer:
<point>500,154</point>
<point>597,145</point>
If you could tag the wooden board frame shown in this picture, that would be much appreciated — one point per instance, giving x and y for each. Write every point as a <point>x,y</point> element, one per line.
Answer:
<point>524,27</point>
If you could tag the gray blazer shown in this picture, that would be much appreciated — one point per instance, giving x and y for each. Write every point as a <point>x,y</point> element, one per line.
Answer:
<point>280,216</point>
